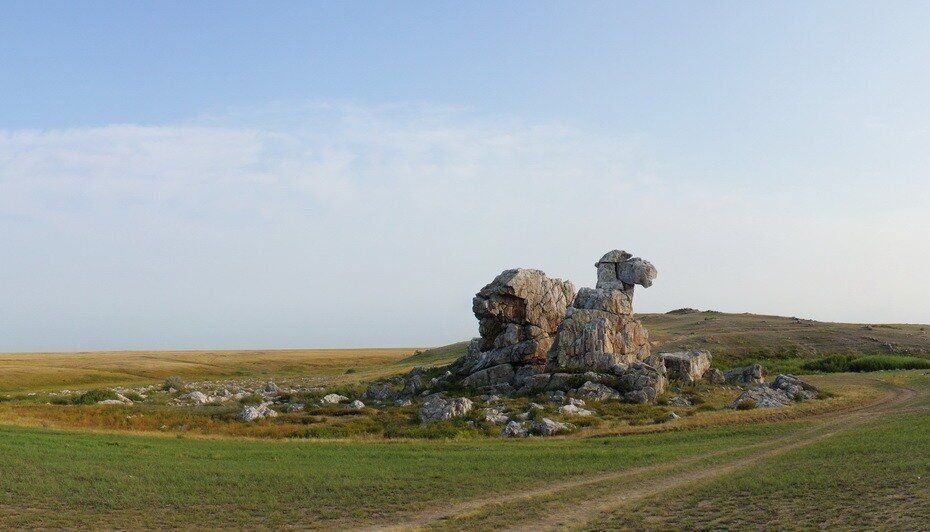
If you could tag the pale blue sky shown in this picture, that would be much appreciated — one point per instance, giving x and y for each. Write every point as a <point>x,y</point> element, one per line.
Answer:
<point>297,174</point>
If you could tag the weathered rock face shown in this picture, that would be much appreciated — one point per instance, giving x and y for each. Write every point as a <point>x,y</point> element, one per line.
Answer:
<point>518,312</point>
<point>599,330</point>
<point>533,341</point>
<point>688,366</point>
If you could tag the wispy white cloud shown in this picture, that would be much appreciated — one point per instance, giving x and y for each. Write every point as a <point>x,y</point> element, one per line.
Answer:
<point>341,224</point>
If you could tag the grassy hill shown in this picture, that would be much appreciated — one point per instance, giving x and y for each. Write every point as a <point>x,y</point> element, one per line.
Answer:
<point>782,343</point>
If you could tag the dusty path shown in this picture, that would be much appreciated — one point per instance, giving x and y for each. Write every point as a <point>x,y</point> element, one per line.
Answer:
<point>569,511</point>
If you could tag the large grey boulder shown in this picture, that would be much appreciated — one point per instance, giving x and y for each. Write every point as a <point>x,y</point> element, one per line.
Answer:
<point>748,375</point>
<point>518,312</point>
<point>379,391</point>
<point>794,388</point>
<point>437,407</point>
<point>548,427</point>
<point>688,366</point>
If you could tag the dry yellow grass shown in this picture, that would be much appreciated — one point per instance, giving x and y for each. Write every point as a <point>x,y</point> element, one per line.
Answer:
<point>48,371</point>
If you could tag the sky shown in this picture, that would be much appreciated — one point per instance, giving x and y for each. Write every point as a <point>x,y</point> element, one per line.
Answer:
<point>348,174</point>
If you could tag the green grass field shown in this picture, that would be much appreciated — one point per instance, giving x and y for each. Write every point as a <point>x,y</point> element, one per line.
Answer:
<point>69,479</point>
<point>860,458</point>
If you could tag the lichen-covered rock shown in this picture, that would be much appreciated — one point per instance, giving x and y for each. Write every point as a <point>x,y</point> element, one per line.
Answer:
<point>688,366</point>
<point>437,407</point>
<point>748,375</point>
<point>518,312</point>
<point>548,427</point>
<point>515,429</point>
<point>356,405</point>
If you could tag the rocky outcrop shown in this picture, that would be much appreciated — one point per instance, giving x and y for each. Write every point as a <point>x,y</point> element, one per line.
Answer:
<point>599,330</point>
<point>754,374</point>
<point>518,312</point>
<point>532,340</point>
<point>688,366</point>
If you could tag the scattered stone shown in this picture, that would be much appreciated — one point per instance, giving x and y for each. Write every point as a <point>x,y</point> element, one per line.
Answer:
<point>438,408</point>
<point>748,375</point>
<point>572,410</point>
<point>672,416</point>
<point>333,398</point>
<point>110,402</point>
<point>294,407</point>
<point>688,366</point>
<point>253,413</point>
<point>403,402</point>
<point>493,415</point>
<point>271,388</point>
<point>537,406</point>
<point>548,427</point>
<point>573,401</point>
<point>515,429</point>
<point>197,398</point>
<point>356,405</point>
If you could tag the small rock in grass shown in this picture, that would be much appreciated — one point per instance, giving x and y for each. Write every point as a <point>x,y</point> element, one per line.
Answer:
<point>493,415</point>
<point>253,413</point>
<point>438,408</point>
<point>548,427</point>
<point>356,405</point>
<point>572,410</point>
<point>515,429</point>
<point>333,398</point>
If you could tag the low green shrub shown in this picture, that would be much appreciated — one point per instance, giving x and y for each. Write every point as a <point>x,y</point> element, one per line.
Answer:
<point>860,364</point>
<point>746,404</point>
<point>173,382</point>
<point>92,397</point>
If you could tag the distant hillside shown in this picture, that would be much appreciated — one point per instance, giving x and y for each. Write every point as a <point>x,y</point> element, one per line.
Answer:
<point>734,339</point>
